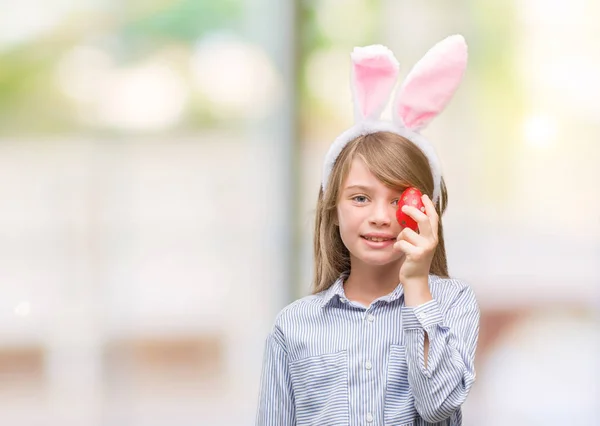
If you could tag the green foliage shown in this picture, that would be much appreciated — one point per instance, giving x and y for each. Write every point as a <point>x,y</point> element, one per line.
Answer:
<point>30,99</point>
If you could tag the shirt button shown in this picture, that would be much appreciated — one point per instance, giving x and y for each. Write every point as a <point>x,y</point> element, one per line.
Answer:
<point>422,316</point>
<point>370,318</point>
<point>368,365</point>
<point>369,417</point>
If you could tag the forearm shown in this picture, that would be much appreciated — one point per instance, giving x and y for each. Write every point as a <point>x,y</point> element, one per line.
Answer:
<point>416,293</point>
<point>440,354</point>
<point>440,385</point>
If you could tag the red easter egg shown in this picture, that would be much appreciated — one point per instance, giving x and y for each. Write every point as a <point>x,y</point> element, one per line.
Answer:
<point>412,197</point>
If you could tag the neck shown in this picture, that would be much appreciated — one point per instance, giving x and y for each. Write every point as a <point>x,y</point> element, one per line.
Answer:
<point>367,283</point>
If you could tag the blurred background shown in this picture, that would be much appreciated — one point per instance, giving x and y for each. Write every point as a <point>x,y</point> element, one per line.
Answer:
<point>159,167</point>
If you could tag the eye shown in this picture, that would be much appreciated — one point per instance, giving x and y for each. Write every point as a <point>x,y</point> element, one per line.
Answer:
<point>359,199</point>
<point>395,202</point>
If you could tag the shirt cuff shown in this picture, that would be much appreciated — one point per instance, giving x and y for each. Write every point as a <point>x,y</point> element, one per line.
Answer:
<point>421,316</point>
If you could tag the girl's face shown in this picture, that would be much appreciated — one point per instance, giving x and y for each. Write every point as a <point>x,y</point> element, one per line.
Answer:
<point>366,215</point>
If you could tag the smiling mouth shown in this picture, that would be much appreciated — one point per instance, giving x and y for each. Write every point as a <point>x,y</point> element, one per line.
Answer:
<point>377,240</point>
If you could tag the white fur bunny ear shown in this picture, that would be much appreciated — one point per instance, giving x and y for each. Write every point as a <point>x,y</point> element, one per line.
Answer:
<point>431,83</point>
<point>374,74</point>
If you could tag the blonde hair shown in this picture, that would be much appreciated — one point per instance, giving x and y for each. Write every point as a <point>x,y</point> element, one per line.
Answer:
<point>396,162</point>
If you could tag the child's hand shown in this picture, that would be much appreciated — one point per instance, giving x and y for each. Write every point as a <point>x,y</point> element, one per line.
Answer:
<point>418,248</point>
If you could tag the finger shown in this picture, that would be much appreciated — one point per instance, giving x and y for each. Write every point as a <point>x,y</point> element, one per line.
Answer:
<point>421,218</point>
<point>412,237</point>
<point>405,247</point>
<point>431,213</point>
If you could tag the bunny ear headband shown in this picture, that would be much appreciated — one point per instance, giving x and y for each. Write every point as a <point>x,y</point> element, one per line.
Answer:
<point>424,93</point>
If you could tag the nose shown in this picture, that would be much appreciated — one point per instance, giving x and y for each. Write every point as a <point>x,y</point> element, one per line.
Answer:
<point>381,214</point>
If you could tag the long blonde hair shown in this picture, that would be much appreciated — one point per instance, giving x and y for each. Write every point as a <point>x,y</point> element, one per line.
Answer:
<point>396,162</point>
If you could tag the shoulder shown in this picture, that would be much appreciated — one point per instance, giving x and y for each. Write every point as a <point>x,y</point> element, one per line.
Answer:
<point>450,292</point>
<point>300,309</point>
<point>447,284</point>
<point>303,311</point>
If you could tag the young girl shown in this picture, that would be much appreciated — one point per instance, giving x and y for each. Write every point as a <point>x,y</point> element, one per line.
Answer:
<point>387,338</point>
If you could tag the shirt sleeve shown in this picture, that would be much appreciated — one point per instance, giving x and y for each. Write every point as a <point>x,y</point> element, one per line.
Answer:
<point>441,388</point>
<point>276,400</point>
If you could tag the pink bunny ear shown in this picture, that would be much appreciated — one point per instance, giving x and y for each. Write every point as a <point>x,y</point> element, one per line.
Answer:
<point>431,83</point>
<point>375,71</point>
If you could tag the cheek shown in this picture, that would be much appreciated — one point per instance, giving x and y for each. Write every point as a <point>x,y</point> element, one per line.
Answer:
<point>349,221</point>
<point>346,231</point>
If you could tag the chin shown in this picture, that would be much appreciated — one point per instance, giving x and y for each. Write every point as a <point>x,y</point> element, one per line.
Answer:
<point>379,259</point>
<point>377,262</point>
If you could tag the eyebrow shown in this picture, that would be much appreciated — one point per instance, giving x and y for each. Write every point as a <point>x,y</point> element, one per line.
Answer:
<point>361,187</point>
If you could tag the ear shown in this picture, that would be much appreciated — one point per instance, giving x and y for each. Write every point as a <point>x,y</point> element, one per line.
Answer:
<point>431,83</point>
<point>374,74</point>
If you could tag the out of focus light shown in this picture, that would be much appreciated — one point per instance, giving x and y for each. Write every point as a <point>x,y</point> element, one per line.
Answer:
<point>149,96</point>
<point>335,15</point>
<point>574,80</point>
<point>236,77</point>
<point>328,80</point>
<point>23,309</point>
<point>26,19</point>
<point>539,131</point>
<point>553,11</point>
<point>565,65</point>
<point>84,72</point>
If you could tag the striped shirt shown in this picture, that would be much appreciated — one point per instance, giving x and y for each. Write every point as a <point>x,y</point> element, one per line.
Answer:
<point>332,362</point>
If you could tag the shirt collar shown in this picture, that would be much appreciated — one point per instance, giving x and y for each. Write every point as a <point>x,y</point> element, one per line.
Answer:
<point>396,294</point>
<point>336,292</point>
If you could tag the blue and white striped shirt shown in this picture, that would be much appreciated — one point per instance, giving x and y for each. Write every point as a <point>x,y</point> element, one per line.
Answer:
<point>330,361</point>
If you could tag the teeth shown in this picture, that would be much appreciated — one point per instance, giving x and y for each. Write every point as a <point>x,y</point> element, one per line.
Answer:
<point>378,240</point>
